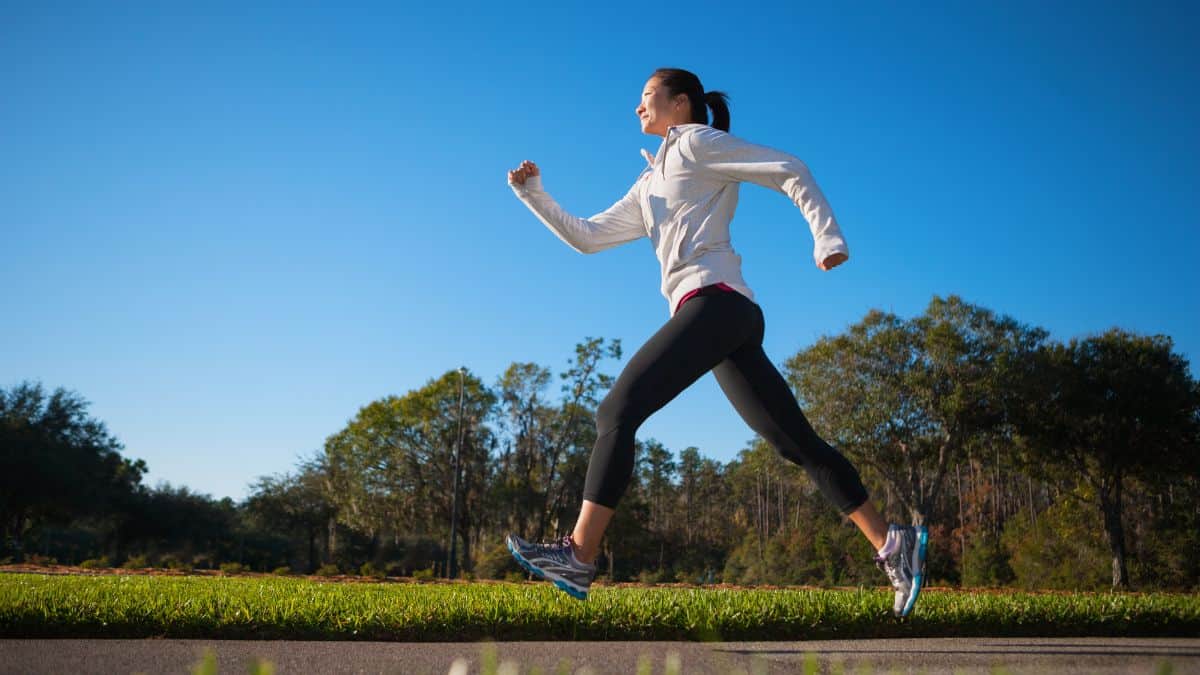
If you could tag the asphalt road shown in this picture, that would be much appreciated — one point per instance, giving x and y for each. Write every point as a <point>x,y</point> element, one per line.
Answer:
<point>1099,656</point>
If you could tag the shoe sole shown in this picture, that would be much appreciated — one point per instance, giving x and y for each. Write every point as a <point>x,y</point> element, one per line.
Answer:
<point>918,566</point>
<point>557,580</point>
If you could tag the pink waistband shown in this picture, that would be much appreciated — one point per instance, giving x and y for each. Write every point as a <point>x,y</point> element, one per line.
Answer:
<point>691,294</point>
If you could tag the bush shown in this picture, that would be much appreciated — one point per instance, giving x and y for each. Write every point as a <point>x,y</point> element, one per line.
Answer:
<point>650,577</point>
<point>172,562</point>
<point>495,562</point>
<point>282,571</point>
<point>369,569</point>
<point>35,559</point>
<point>406,554</point>
<point>1063,549</point>
<point>827,552</point>
<point>94,563</point>
<point>423,575</point>
<point>516,577</point>
<point>328,570</point>
<point>985,563</point>
<point>233,568</point>
<point>1162,550</point>
<point>696,577</point>
<point>136,562</point>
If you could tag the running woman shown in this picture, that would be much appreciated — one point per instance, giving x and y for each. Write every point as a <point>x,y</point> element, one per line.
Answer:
<point>684,201</point>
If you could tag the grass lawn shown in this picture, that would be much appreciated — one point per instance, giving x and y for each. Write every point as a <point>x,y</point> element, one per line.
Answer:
<point>267,607</point>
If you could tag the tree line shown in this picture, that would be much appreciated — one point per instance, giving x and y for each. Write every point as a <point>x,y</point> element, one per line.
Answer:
<point>1035,463</point>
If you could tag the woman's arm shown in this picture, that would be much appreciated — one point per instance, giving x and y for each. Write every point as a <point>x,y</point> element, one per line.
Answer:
<point>738,160</point>
<point>619,223</point>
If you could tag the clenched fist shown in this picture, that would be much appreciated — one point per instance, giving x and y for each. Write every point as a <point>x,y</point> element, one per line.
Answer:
<point>517,176</point>
<point>832,261</point>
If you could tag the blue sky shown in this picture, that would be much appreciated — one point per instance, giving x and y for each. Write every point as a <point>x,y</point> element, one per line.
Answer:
<point>228,227</point>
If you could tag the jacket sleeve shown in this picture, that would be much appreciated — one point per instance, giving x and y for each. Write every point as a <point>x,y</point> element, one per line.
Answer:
<point>736,160</point>
<point>619,223</point>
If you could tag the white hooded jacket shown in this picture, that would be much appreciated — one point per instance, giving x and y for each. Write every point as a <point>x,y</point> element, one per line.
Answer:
<point>684,201</point>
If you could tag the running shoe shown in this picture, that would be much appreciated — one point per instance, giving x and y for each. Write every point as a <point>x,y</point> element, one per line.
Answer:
<point>555,562</point>
<point>902,558</point>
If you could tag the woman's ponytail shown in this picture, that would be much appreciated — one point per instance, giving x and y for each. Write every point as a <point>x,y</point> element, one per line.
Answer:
<point>719,102</point>
<point>678,81</point>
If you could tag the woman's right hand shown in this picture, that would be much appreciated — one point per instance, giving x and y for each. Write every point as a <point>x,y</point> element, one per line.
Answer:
<point>518,175</point>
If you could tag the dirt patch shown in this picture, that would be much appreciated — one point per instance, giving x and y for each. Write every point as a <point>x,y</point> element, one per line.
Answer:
<point>356,579</point>
<point>353,578</point>
<point>161,572</point>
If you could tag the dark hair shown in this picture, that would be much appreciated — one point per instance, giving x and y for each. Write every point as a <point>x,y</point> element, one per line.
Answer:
<point>679,81</point>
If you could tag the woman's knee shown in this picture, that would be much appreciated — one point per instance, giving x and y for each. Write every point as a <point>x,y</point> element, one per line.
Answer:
<point>799,446</point>
<point>616,411</point>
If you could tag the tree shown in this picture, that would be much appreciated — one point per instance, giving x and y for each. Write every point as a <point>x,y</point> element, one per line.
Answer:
<point>527,418</point>
<point>788,533</point>
<point>690,464</point>
<point>56,462</point>
<point>545,440</point>
<point>1109,408</point>
<point>583,384</point>
<point>177,520</point>
<point>293,503</point>
<point>906,399</point>
<point>390,470</point>
<point>658,470</point>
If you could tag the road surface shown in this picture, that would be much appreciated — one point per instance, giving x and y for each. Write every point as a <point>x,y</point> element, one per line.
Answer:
<point>1091,656</point>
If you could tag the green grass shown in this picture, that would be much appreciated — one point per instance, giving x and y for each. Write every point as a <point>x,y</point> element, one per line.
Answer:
<point>38,605</point>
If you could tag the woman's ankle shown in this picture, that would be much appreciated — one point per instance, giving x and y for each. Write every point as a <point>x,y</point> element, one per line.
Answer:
<point>578,552</point>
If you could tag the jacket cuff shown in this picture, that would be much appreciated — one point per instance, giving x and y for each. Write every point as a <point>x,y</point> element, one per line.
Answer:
<point>827,248</point>
<point>532,184</point>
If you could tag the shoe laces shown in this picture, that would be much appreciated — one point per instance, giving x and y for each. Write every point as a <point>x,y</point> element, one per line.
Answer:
<point>891,566</point>
<point>565,542</point>
<point>558,547</point>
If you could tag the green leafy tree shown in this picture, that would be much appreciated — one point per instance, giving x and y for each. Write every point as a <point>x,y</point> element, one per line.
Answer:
<point>390,470</point>
<point>1109,408</point>
<point>791,535</point>
<point>173,519</point>
<point>690,463</point>
<point>57,462</point>
<point>574,427</point>
<point>548,443</point>
<point>295,504</point>
<point>905,399</point>
<point>701,527</point>
<point>658,470</point>
<point>628,536</point>
<point>527,416</point>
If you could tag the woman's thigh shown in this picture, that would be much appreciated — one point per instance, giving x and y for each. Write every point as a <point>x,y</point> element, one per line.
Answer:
<point>765,401</point>
<point>698,337</point>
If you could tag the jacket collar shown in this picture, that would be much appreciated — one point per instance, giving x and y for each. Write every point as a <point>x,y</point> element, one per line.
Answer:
<point>672,132</point>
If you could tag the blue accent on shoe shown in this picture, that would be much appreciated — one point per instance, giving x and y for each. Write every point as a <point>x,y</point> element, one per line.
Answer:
<point>918,578</point>
<point>570,591</point>
<point>532,569</point>
<point>523,562</point>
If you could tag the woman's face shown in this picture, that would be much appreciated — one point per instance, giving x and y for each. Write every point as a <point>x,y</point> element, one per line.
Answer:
<point>658,110</point>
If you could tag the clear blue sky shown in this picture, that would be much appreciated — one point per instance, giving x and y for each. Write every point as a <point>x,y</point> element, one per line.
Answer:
<point>229,227</point>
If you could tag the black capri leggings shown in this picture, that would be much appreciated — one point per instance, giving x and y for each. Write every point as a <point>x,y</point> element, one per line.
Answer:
<point>721,331</point>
